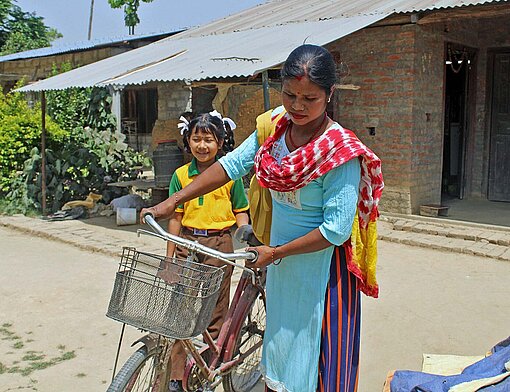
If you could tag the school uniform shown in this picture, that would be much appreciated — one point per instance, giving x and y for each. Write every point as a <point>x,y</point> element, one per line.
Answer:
<point>208,220</point>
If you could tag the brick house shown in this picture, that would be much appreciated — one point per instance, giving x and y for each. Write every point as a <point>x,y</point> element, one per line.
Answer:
<point>442,128</point>
<point>37,64</point>
<point>426,86</point>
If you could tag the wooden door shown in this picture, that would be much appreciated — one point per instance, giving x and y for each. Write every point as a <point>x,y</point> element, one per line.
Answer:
<point>499,173</point>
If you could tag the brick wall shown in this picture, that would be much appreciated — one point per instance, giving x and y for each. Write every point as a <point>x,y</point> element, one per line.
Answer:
<point>427,123</point>
<point>173,99</point>
<point>244,104</point>
<point>400,72</point>
<point>381,62</point>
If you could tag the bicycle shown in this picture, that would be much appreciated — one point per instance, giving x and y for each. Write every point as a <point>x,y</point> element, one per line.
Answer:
<point>173,299</point>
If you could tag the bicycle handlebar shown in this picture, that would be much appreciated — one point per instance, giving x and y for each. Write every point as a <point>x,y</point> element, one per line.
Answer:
<point>228,258</point>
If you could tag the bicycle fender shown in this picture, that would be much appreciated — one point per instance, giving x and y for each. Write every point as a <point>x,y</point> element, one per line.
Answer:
<point>150,340</point>
<point>244,306</point>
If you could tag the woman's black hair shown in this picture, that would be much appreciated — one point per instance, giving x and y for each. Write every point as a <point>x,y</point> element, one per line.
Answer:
<point>311,61</point>
<point>210,124</point>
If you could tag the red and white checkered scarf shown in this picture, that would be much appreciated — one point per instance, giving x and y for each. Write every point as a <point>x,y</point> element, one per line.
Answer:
<point>312,160</point>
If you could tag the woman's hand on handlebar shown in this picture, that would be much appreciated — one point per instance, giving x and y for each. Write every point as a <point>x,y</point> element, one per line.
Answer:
<point>264,257</point>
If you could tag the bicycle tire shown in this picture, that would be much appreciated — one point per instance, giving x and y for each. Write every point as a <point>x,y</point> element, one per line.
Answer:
<point>244,376</point>
<point>127,379</point>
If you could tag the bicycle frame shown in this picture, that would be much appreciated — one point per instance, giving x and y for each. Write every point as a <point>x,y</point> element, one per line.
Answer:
<point>221,353</point>
<point>221,359</point>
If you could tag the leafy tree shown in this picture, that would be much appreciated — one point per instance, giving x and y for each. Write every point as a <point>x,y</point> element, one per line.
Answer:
<point>131,18</point>
<point>21,30</point>
<point>68,108</point>
<point>85,163</point>
<point>5,6</point>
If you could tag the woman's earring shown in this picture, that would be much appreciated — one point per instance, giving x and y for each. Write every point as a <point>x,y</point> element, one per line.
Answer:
<point>329,99</point>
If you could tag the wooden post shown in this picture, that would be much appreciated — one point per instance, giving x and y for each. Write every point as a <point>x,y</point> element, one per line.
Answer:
<point>43,152</point>
<point>265,88</point>
<point>116,106</point>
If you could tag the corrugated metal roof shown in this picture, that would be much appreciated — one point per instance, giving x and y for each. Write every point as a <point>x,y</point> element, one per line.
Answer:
<point>78,46</point>
<point>278,12</point>
<point>241,44</point>
<point>241,53</point>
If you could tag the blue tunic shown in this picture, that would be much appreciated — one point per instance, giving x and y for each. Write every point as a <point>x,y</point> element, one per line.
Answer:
<point>296,287</point>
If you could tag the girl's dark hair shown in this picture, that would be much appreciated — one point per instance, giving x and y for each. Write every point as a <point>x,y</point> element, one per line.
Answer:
<point>311,61</point>
<point>210,124</point>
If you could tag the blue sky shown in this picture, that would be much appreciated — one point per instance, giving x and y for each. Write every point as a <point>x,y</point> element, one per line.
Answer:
<point>71,17</point>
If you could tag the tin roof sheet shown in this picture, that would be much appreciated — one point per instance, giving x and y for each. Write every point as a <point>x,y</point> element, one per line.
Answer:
<point>241,44</point>
<point>242,53</point>
<point>78,46</point>
<point>278,12</point>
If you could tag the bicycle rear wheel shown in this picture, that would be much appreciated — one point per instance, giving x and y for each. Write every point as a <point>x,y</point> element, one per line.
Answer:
<point>138,373</point>
<point>247,374</point>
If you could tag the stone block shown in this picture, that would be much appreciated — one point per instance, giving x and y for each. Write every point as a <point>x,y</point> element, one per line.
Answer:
<point>433,210</point>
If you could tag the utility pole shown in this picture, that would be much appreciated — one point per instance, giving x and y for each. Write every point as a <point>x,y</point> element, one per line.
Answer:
<point>43,152</point>
<point>90,19</point>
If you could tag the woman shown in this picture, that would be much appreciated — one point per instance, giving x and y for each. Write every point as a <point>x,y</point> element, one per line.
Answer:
<point>313,309</point>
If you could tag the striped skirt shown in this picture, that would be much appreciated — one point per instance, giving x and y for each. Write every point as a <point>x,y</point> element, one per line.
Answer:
<point>341,327</point>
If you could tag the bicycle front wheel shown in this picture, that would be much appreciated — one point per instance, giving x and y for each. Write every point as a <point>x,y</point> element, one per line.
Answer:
<point>247,374</point>
<point>138,373</point>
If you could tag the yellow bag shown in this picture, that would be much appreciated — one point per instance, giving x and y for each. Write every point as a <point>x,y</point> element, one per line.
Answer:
<point>258,196</point>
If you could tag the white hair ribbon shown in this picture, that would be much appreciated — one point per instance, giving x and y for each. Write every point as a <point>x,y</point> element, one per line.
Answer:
<point>183,125</point>
<point>230,122</point>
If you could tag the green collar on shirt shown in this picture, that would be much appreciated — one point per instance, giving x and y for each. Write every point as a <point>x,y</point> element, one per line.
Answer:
<point>193,168</point>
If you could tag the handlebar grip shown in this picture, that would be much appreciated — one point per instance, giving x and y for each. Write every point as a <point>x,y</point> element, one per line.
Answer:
<point>255,257</point>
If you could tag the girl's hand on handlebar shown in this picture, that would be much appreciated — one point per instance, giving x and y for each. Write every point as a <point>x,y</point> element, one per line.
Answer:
<point>165,209</point>
<point>264,257</point>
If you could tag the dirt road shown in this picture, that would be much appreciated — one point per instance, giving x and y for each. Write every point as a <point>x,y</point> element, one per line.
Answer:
<point>53,303</point>
<point>54,299</point>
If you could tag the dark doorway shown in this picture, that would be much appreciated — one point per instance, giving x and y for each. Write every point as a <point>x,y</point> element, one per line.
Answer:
<point>139,113</point>
<point>457,69</point>
<point>499,168</point>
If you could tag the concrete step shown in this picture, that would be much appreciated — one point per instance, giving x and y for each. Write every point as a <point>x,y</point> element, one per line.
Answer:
<point>442,234</point>
<point>435,233</point>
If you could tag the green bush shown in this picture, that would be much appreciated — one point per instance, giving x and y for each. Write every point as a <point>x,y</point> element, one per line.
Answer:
<point>85,165</point>
<point>78,160</point>
<point>68,108</point>
<point>20,132</point>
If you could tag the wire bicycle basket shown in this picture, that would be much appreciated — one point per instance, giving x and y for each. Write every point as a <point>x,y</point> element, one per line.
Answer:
<point>169,296</point>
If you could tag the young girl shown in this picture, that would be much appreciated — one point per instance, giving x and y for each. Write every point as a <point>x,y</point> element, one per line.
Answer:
<point>209,218</point>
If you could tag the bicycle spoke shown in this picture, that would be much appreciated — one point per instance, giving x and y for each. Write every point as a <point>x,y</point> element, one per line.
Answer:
<point>142,381</point>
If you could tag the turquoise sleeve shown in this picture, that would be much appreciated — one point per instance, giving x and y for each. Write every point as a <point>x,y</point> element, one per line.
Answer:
<point>340,198</point>
<point>239,162</point>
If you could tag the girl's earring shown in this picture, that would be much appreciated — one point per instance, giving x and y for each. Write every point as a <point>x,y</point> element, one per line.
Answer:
<point>329,100</point>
